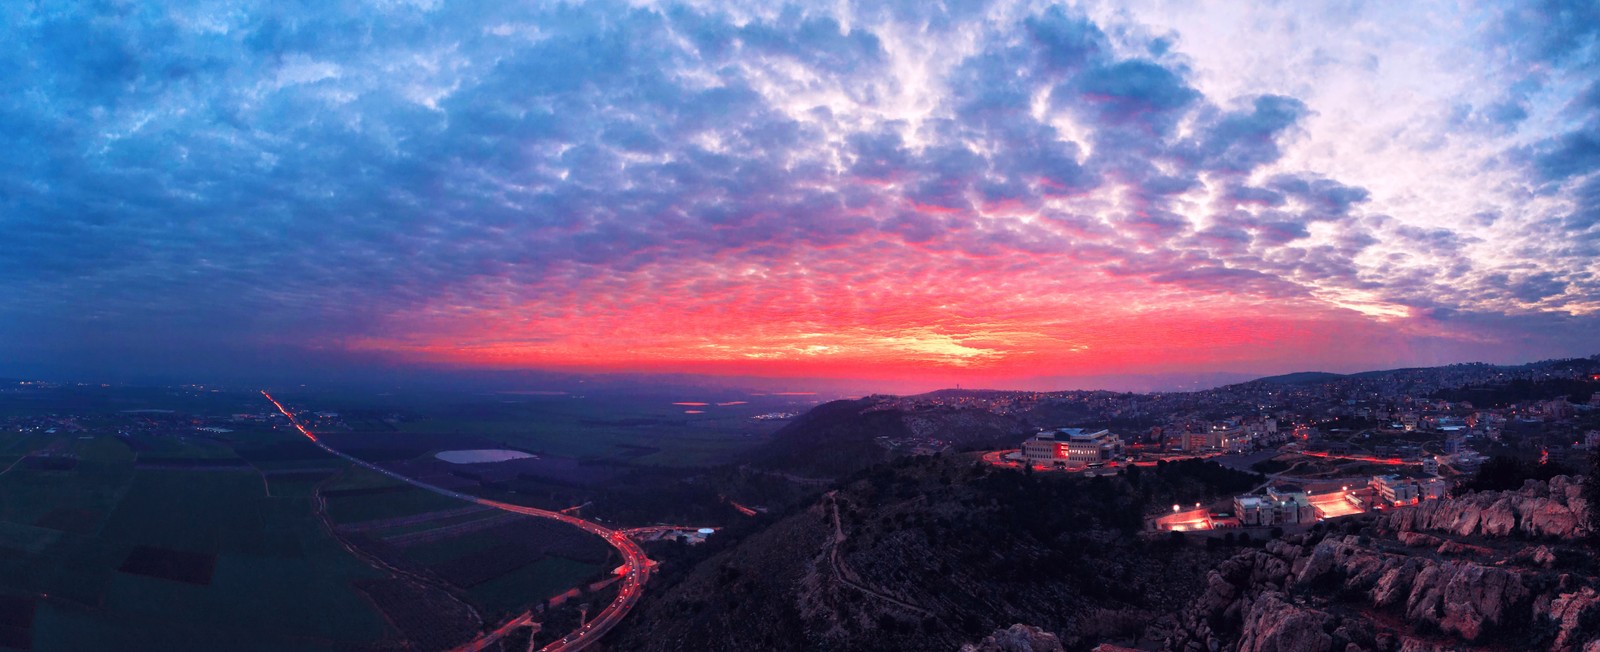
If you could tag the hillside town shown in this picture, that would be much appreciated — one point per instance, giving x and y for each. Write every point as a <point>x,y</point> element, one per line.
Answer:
<point>1330,446</point>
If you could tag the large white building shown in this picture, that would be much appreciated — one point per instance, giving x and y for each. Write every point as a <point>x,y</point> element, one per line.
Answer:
<point>1394,490</point>
<point>1279,506</point>
<point>1071,448</point>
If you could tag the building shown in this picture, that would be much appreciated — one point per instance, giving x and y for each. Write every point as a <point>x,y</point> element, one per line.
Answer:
<point>1228,436</point>
<point>1430,465</point>
<point>1394,490</point>
<point>1280,506</point>
<point>1292,504</point>
<point>1222,436</point>
<point>1071,448</point>
<point>1433,488</point>
<point>1557,409</point>
<point>1466,461</point>
<point>1248,509</point>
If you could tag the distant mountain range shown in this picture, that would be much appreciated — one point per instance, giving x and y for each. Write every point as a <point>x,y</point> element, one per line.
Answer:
<point>1224,380</point>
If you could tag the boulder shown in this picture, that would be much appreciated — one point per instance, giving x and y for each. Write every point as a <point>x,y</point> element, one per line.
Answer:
<point>1017,638</point>
<point>1274,624</point>
<point>1570,611</point>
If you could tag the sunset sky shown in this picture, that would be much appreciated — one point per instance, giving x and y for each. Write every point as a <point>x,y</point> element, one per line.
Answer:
<point>912,194</point>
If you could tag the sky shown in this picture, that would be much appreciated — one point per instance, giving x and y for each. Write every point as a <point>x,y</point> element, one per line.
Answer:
<point>900,194</point>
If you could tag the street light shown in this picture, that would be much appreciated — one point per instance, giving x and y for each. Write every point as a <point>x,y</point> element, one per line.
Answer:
<point>1174,508</point>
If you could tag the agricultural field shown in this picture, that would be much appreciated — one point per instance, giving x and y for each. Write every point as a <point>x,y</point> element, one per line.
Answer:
<point>105,549</point>
<point>503,563</point>
<point>633,432</point>
<point>185,518</point>
<point>692,429</point>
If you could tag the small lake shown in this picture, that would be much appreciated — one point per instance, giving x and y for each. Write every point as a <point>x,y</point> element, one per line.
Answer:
<point>480,456</point>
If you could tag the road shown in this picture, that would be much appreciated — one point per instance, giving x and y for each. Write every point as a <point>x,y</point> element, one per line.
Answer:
<point>635,565</point>
<point>842,572</point>
<point>737,507</point>
<point>658,529</point>
<point>1391,461</point>
<point>488,638</point>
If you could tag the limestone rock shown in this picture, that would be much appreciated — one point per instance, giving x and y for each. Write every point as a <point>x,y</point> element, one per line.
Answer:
<point>1017,638</point>
<point>1275,624</point>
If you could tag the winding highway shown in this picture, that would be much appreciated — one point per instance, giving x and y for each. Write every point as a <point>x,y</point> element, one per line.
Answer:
<point>635,569</point>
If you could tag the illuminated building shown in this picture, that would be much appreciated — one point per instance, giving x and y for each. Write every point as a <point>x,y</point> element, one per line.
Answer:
<point>1280,506</point>
<point>1291,505</point>
<point>1071,448</point>
<point>1394,490</point>
<point>1433,488</point>
<point>1223,436</point>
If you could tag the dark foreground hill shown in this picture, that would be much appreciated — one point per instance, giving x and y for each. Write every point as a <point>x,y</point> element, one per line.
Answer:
<point>842,437</point>
<point>928,553</point>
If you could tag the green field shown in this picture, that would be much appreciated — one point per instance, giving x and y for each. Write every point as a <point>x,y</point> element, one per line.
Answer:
<point>541,580</point>
<point>76,500</point>
<point>242,559</point>
<point>372,507</point>
<point>607,429</point>
<point>280,581</point>
<point>515,590</point>
<point>296,485</point>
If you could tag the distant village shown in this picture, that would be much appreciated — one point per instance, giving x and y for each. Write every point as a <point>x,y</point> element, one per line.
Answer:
<point>1328,445</point>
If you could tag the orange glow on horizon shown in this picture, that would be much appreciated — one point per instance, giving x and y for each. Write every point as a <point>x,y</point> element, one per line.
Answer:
<point>1138,343</point>
<point>927,315</point>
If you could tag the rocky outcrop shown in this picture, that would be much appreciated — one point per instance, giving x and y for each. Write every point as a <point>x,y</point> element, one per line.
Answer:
<point>1555,510</point>
<point>1017,638</point>
<point>1571,611</point>
<point>1416,576</point>
<point>1275,623</point>
<point>1463,598</point>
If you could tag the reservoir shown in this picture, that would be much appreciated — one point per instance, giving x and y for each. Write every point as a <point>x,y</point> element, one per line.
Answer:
<point>481,456</point>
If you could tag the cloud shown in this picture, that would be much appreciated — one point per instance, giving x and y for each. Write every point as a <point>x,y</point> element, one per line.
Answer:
<point>973,187</point>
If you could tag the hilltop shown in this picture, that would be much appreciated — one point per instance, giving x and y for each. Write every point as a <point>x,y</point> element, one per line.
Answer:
<point>841,437</point>
<point>930,552</point>
<point>1299,378</point>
